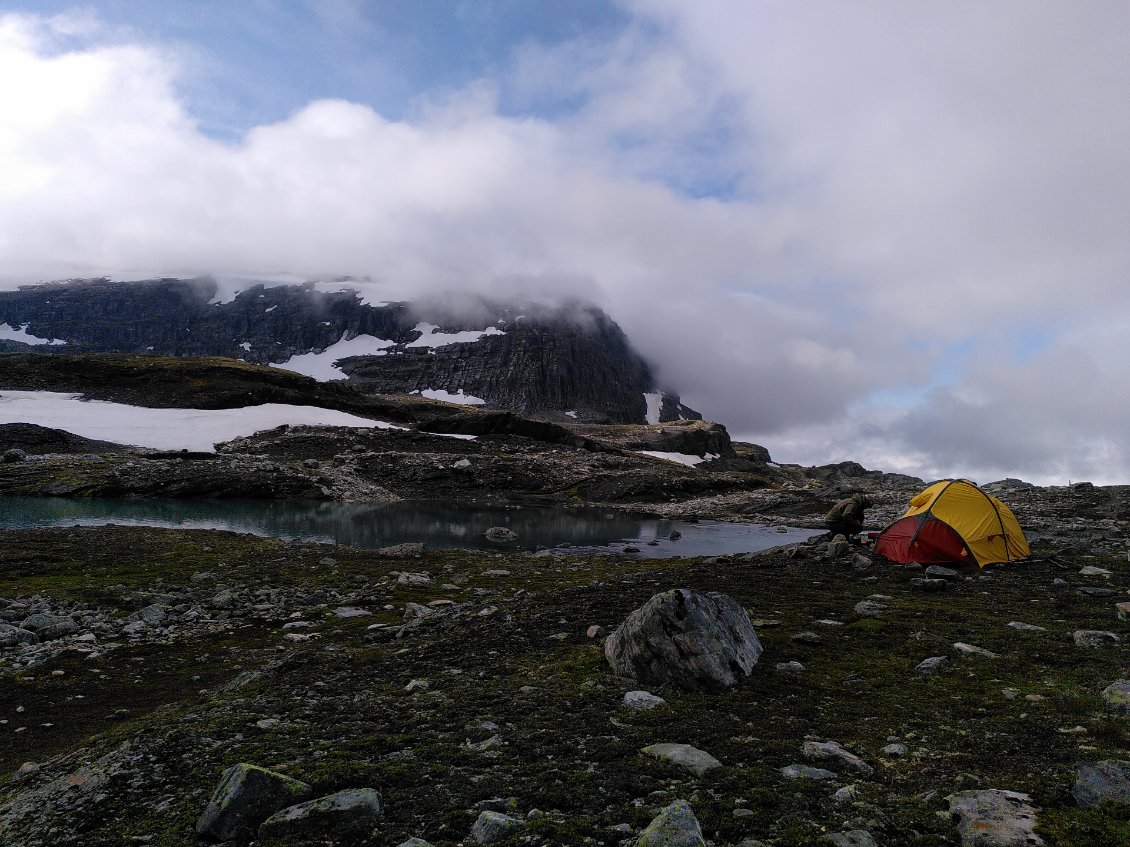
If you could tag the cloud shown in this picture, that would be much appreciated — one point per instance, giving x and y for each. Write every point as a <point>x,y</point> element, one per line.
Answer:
<point>796,212</point>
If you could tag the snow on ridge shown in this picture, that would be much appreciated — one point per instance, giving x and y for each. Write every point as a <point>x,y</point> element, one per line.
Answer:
<point>20,333</point>
<point>321,365</point>
<point>458,397</point>
<point>571,414</point>
<point>164,429</point>
<point>681,458</point>
<point>430,338</point>
<point>654,402</point>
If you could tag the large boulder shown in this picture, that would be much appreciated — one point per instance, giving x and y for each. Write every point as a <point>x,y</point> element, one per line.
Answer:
<point>674,826</point>
<point>49,627</point>
<point>246,796</point>
<point>994,818</point>
<point>685,641</point>
<point>352,813</point>
<point>1101,782</point>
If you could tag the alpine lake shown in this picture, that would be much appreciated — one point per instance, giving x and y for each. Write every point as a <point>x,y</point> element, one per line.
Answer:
<point>436,525</point>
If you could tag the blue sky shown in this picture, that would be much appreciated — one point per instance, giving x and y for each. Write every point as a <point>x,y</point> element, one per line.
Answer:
<point>886,232</point>
<point>257,61</point>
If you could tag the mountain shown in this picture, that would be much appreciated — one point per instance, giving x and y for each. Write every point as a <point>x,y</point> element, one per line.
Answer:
<point>552,361</point>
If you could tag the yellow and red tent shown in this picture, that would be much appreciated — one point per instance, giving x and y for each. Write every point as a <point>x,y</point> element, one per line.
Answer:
<point>954,521</point>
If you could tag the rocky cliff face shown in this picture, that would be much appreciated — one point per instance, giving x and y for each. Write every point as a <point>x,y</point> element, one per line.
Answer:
<point>567,360</point>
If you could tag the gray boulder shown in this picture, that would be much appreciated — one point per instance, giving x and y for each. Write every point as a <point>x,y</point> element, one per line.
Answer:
<point>851,838</point>
<point>1095,638</point>
<point>14,454</point>
<point>50,627</point>
<point>686,641</point>
<point>490,827</point>
<point>994,818</point>
<point>152,614</point>
<point>823,751</point>
<point>1108,780</point>
<point>1117,695</point>
<point>685,756</point>
<point>246,796</point>
<point>347,814</point>
<point>414,842</point>
<point>11,636</point>
<point>641,701</point>
<point>500,533</point>
<point>674,826</point>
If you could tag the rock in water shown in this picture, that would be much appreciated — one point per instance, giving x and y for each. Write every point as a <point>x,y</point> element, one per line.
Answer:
<point>246,796</point>
<point>994,818</point>
<point>674,826</point>
<point>347,814</point>
<point>686,641</point>
<point>500,533</point>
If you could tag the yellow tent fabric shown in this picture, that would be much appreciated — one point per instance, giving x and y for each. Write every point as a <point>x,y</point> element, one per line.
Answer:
<point>986,526</point>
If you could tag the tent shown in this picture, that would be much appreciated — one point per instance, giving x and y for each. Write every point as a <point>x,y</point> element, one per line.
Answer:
<point>954,521</point>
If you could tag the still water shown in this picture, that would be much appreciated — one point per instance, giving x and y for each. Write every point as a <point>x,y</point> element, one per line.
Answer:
<point>438,525</point>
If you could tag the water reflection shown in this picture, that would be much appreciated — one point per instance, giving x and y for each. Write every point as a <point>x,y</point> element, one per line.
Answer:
<point>438,525</point>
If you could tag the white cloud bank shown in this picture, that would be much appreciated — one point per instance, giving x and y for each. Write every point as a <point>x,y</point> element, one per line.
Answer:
<point>885,232</point>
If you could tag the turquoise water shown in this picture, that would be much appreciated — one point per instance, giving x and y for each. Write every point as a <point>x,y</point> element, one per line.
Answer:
<point>438,525</point>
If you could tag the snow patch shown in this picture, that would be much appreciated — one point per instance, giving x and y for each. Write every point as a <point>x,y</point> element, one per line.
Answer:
<point>458,397</point>
<point>321,365</point>
<point>681,458</point>
<point>365,292</point>
<point>163,429</point>
<point>270,308</point>
<point>572,415</point>
<point>246,345</point>
<point>654,402</point>
<point>20,333</point>
<point>430,338</point>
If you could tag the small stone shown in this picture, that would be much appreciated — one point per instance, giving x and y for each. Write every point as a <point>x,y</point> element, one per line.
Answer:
<point>895,751</point>
<point>939,572</point>
<point>415,610</point>
<point>351,612</point>
<point>807,638</point>
<point>496,572</point>
<point>414,842</point>
<point>833,750</point>
<point>790,667</point>
<point>930,586</point>
<point>869,608</point>
<point>932,664</point>
<point>417,685</point>
<point>685,756</point>
<point>972,650</point>
<point>595,631</point>
<point>1091,570</point>
<point>806,772</point>
<point>1122,611</point>
<point>642,700</point>
<point>1026,627</point>
<point>847,794</point>
<point>1094,638</point>
<point>1096,591</point>
<point>152,614</point>
<point>850,838</point>
<point>413,579</point>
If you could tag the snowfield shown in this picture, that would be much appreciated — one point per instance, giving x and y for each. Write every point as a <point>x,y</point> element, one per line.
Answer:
<point>431,338</point>
<point>681,458</point>
<point>163,429</point>
<point>654,406</point>
<point>20,333</point>
<point>458,397</point>
<point>321,365</point>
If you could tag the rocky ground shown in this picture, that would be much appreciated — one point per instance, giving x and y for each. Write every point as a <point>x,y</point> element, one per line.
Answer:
<point>453,683</point>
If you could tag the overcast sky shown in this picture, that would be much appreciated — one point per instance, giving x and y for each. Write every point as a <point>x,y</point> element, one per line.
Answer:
<point>893,232</point>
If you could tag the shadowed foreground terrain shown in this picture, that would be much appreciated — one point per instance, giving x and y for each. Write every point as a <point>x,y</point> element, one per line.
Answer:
<point>300,658</point>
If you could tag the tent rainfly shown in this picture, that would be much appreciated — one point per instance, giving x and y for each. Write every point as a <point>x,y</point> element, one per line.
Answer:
<point>954,521</point>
